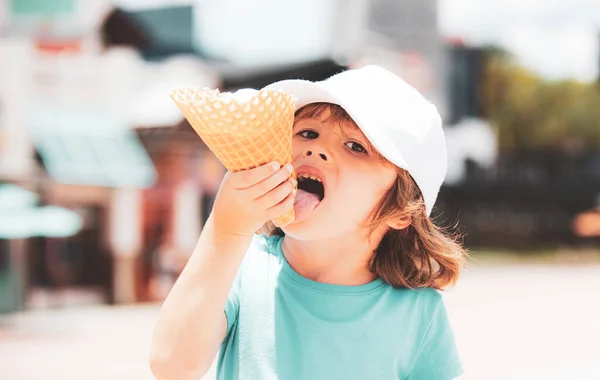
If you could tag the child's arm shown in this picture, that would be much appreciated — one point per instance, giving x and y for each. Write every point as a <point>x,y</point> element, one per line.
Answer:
<point>192,324</point>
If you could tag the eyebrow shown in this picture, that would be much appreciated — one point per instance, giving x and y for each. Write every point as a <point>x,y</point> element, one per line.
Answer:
<point>344,128</point>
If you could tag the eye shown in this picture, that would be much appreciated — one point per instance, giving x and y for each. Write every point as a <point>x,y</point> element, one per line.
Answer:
<point>356,147</point>
<point>308,134</point>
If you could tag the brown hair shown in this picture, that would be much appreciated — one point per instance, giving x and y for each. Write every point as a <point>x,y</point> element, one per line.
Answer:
<point>420,255</point>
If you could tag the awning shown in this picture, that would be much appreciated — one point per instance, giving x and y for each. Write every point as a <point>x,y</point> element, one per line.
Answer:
<point>20,218</point>
<point>41,7</point>
<point>89,147</point>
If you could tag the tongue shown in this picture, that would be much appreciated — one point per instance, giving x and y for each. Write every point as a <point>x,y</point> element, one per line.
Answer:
<point>304,203</point>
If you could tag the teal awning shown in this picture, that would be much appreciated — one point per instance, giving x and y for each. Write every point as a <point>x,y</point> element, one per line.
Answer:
<point>89,147</point>
<point>27,7</point>
<point>20,218</point>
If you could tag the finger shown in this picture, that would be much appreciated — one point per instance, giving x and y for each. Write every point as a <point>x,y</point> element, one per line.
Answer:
<point>276,195</point>
<point>246,178</point>
<point>282,207</point>
<point>268,184</point>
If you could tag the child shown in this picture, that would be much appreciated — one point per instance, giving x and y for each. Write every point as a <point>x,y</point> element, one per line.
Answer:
<point>348,290</point>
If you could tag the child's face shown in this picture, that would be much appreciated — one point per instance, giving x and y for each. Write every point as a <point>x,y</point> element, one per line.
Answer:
<point>353,178</point>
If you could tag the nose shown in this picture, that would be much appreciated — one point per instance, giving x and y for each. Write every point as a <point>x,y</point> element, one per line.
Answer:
<point>308,153</point>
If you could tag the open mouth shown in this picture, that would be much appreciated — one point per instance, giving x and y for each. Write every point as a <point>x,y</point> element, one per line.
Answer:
<point>311,191</point>
<point>311,184</point>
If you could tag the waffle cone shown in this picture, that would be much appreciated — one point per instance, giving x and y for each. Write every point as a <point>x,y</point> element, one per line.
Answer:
<point>242,135</point>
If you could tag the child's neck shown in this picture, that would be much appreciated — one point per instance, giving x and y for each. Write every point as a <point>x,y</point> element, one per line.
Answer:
<point>337,261</point>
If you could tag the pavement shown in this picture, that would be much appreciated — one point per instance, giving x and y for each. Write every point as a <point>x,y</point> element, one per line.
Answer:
<point>516,322</point>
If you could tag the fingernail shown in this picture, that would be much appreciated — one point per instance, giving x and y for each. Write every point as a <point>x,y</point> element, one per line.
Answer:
<point>275,165</point>
<point>294,182</point>
<point>289,168</point>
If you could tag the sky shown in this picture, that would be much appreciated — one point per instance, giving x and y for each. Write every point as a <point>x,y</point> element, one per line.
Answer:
<point>556,38</point>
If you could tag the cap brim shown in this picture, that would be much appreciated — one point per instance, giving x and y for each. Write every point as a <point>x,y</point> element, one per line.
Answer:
<point>305,92</point>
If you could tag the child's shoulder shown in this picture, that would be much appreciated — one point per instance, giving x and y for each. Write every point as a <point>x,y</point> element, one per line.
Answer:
<point>263,248</point>
<point>425,300</point>
<point>418,293</point>
<point>266,244</point>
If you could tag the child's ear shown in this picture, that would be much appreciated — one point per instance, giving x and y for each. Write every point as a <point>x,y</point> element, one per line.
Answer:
<point>399,224</point>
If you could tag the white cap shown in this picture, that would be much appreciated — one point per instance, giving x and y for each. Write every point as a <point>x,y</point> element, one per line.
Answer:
<point>400,123</point>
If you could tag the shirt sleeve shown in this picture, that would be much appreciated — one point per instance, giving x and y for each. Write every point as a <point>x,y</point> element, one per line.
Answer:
<point>232,305</point>
<point>437,357</point>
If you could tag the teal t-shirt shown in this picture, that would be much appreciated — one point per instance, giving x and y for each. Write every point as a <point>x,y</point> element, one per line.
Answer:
<point>284,326</point>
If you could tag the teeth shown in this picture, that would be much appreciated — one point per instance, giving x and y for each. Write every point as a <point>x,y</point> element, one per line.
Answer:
<point>302,176</point>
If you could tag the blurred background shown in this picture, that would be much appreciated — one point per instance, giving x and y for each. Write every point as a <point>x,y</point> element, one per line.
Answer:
<point>104,187</point>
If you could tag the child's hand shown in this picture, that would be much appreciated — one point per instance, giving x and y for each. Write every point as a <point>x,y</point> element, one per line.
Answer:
<point>249,198</point>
